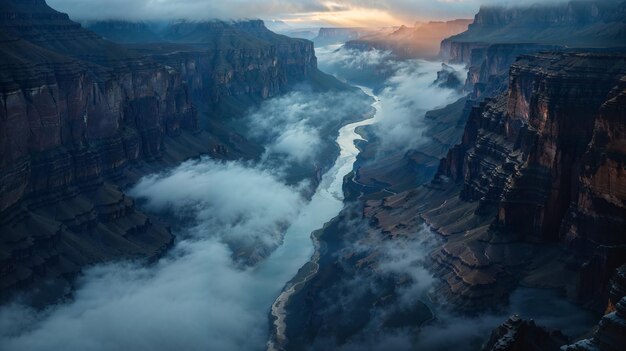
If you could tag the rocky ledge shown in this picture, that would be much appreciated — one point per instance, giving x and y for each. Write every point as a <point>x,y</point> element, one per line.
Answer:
<point>532,192</point>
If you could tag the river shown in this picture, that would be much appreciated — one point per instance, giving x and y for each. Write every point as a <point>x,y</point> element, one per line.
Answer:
<point>325,204</point>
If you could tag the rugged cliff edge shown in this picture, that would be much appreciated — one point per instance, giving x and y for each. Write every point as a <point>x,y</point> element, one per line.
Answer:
<point>521,175</point>
<point>573,23</point>
<point>81,114</point>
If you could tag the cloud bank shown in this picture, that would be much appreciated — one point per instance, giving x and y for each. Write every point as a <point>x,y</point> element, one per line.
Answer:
<point>406,94</point>
<point>196,298</point>
<point>301,126</point>
<point>298,13</point>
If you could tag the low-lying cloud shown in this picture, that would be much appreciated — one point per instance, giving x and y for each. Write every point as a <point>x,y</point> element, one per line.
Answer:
<point>198,297</point>
<point>300,126</point>
<point>406,90</point>
<point>408,95</point>
<point>227,200</point>
<point>203,294</point>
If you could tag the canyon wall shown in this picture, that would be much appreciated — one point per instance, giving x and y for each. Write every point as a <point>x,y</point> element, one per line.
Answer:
<point>530,158</point>
<point>594,24</point>
<point>78,111</point>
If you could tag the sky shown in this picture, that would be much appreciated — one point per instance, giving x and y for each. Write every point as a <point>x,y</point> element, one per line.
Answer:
<point>298,13</point>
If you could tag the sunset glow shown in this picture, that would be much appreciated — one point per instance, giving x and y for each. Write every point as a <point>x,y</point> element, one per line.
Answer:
<point>346,17</point>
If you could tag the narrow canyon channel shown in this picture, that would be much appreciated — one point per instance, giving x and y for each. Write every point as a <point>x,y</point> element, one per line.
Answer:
<point>325,205</point>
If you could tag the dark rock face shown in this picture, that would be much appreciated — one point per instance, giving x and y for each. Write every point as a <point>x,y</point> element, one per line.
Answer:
<point>489,67</point>
<point>610,334</point>
<point>574,23</point>
<point>524,154</point>
<point>517,334</point>
<point>77,110</point>
<point>448,77</point>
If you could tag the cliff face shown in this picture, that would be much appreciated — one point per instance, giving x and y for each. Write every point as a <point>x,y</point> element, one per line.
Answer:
<point>500,34</point>
<point>529,159</point>
<point>575,24</point>
<point>488,67</point>
<point>77,110</point>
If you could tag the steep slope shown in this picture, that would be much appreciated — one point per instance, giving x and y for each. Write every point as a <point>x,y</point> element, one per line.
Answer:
<point>521,170</point>
<point>572,23</point>
<point>81,114</point>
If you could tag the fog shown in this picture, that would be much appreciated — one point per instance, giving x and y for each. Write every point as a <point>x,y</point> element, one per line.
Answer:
<point>300,126</point>
<point>299,13</point>
<point>401,263</point>
<point>205,293</point>
<point>198,297</point>
<point>405,88</point>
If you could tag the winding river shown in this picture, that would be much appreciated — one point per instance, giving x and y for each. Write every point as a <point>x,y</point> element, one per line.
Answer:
<point>325,204</point>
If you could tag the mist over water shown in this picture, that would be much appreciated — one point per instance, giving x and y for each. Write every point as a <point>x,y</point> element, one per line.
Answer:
<point>202,294</point>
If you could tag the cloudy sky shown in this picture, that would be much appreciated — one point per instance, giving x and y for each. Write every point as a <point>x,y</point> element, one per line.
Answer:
<point>295,12</point>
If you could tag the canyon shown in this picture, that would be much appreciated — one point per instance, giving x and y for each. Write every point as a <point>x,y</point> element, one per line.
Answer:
<point>454,185</point>
<point>84,117</point>
<point>515,203</point>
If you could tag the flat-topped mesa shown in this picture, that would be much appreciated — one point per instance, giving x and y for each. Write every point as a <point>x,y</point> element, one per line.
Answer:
<point>546,161</point>
<point>574,24</point>
<point>499,34</point>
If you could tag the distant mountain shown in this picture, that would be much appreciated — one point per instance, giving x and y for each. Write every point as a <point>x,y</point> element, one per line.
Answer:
<point>331,36</point>
<point>422,40</point>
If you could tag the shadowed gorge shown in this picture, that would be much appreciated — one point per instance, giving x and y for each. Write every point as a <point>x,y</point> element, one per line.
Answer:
<point>312,175</point>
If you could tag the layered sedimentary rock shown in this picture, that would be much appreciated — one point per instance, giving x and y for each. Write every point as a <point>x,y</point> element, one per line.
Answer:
<point>523,159</point>
<point>489,67</point>
<point>573,23</point>
<point>78,110</point>
<point>420,41</point>
<point>508,198</point>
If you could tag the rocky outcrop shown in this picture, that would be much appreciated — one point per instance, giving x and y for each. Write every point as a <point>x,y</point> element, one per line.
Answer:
<point>489,67</point>
<point>610,334</point>
<point>420,41</point>
<point>517,334</point>
<point>498,35</point>
<point>504,198</point>
<point>78,112</point>
<point>522,160</point>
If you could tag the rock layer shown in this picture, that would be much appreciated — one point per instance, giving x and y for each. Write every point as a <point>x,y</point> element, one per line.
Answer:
<point>80,113</point>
